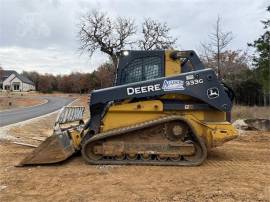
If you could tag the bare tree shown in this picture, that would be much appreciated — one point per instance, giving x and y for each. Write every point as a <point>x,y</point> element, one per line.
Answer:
<point>100,32</point>
<point>219,40</point>
<point>155,36</point>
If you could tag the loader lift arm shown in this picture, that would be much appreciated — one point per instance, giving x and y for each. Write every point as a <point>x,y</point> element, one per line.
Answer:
<point>157,88</point>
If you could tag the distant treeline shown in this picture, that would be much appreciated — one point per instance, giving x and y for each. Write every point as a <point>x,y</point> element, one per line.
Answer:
<point>249,83</point>
<point>75,82</point>
<point>251,92</point>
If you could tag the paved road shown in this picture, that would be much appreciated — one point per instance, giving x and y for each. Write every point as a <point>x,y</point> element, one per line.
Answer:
<point>18,115</point>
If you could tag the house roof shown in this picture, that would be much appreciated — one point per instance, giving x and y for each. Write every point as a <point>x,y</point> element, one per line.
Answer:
<point>6,73</point>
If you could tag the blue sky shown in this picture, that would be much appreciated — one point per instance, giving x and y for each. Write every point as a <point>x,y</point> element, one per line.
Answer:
<point>41,35</point>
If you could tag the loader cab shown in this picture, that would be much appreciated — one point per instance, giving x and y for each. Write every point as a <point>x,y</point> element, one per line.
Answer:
<point>136,66</point>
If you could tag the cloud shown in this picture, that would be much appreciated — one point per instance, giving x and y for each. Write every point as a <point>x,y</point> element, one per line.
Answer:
<point>48,60</point>
<point>42,35</point>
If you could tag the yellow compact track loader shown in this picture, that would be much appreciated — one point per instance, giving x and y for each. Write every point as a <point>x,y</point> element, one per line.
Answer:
<point>165,108</point>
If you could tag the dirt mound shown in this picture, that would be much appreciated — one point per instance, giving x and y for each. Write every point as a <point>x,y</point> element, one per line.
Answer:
<point>259,124</point>
<point>252,124</point>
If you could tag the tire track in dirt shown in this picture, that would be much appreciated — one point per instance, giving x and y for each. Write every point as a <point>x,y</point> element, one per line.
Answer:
<point>236,163</point>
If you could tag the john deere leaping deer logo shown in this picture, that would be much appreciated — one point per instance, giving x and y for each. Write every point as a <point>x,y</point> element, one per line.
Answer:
<point>212,93</point>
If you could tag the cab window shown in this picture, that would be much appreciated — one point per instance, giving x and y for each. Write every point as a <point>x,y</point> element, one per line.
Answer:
<point>152,68</point>
<point>141,69</point>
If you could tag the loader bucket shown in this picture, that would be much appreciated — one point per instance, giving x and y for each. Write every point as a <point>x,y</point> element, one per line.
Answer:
<point>62,144</point>
<point>54,149</point>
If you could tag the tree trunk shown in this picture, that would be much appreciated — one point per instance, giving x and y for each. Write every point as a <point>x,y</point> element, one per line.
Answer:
<point>115,64</point>
<point>264,98</point>
<point>218,60</point>
<point>114,60</point>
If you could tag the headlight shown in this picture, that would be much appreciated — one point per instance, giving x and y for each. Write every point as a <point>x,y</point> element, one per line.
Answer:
<point>125,53</point>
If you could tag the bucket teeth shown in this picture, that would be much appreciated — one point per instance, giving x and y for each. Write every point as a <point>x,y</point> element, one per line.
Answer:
<point>54,149</point>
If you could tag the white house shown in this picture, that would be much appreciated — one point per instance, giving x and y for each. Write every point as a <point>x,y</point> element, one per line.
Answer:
<point>11,80</point>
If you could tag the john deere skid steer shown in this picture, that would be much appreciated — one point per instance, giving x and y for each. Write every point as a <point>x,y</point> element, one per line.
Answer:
<point>166,108</point>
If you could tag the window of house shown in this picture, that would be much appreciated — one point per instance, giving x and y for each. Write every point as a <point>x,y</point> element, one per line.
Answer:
<point>7,87</point>
<point>142,69</point>
<point>16,86</point>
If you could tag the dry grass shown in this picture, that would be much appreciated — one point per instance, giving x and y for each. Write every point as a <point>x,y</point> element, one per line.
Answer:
<point>12,102</point>
<point>247,112</point>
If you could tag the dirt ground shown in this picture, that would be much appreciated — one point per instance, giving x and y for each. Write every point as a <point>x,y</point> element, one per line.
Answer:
<point>11,102</point>
<point>237,171</point>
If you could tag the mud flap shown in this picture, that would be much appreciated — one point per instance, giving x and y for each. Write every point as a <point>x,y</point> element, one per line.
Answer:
<point>54,149</point>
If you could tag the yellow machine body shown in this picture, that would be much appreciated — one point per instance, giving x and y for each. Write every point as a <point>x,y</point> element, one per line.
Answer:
<point>210,125</point>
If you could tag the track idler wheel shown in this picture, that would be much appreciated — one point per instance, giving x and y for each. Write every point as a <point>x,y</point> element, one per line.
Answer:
<point>162,158</point>
<point>145,157</point>
<point>132,157</point>
<point>177,158</point>
<point>120,157</point>
<point>92,151</point>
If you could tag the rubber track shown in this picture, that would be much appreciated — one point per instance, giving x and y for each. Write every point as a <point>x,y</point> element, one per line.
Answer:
<point>140,126</point>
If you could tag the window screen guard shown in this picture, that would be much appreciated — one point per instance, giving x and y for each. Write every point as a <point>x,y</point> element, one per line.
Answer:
<point>141,69</point>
